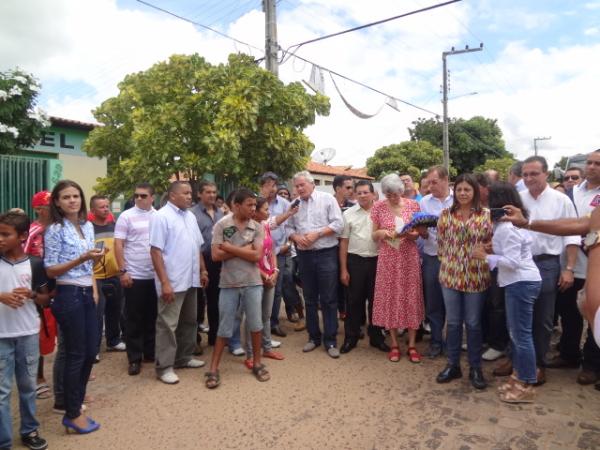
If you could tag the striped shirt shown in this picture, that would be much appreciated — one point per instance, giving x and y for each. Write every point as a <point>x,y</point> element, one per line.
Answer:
<point>133,227</point>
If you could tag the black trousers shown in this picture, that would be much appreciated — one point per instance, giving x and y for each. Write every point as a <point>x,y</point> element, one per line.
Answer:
<point>140,330</point>
<point>495,333</point>
<point>360,291</point>
<point>211,293</point>
<point>571,322</point>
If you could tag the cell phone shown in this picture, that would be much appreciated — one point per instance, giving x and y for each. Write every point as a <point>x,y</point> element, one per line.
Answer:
<point>295,203</point>
<point>99,245</point>
<point>497,213</point>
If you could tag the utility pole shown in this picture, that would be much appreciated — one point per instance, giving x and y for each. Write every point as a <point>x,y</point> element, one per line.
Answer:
<point>545,138</point>
<point>445,139</point>
<point>271,47</point>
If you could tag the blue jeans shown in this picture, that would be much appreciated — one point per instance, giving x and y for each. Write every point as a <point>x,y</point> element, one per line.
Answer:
<point>75,311</point>
<point>467,308</point>
<point>520,298</point>
<point>58,371</point>
<point>434,300</point>
<point>18,357</point>
<point>543,310</point>
<point>319,273</point>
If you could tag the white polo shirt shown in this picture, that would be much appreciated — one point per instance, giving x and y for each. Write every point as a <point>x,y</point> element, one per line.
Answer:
<point>23,321</point>
<point>549,205</point>
<point>358,229</point>
<point>133,227</point>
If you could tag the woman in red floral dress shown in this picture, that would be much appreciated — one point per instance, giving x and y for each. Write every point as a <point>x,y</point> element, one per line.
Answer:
<point>398,299</point>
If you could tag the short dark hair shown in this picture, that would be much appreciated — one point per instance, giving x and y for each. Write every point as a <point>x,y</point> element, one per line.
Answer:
<point>17,220</point>
<point>470,179</point>
<point>360,183</point>
<point>204,183</point>
<point>517,169</point>
<point>578,169</point>
<point>483,179</point>
<point>175,185</point>
<point>145,185</point>
<point>539,159</point>
<point>55,212</point>
<point>502,194</point>
<point>97,197</point>
<point>242,194</point>
<point>268,176</point>
<point>440,170</point>
<point>339,180</point>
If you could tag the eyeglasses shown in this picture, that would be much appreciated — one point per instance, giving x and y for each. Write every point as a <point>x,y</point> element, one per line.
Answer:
<point>593,163</point>
<point>571,177</point>
<point>136,195</point>
<point>531,174</point>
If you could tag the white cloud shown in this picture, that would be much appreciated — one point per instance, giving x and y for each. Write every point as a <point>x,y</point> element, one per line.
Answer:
<point>592,31</point>
<point>531,90</point>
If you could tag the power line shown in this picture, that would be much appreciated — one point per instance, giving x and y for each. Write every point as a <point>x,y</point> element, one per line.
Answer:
<point>185,19</point>
<point>379,22</point>
<point>365,85</point>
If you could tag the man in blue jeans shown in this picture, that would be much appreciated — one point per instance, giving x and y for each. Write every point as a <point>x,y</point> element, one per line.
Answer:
<point>315,229</point>
<point>545,203</point>
<point>440,198</point>
<point>22,285</point>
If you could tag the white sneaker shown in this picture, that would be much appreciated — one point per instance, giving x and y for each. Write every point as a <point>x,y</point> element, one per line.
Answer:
<point>464,347</point>
<point>203,328</point>
<point>120,347</point>
<point>238,352</point>
<point>275,344</point>
<point>192,364</point>
<point>169,377</point>
<point>492,354</point>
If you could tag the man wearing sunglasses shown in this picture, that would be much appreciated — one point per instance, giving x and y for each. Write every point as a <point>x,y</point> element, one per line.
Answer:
<point>572,177</point>
<point>132,250</point>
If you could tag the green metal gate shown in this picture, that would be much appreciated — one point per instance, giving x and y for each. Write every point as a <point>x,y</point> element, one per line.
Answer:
<point>21,177</point>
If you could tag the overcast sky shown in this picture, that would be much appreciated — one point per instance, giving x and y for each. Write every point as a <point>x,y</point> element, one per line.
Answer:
<point>538,73</point>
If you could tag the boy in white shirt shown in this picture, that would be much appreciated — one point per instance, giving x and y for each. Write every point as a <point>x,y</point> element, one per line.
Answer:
<point>22,284</point>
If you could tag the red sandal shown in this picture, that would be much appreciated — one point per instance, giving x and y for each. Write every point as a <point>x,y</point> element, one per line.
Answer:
<point>394,354</point>
<point>413,355</point>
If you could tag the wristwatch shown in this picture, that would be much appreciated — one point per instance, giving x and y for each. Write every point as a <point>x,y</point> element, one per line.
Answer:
<point>591,240</point>
<point>123,271</point>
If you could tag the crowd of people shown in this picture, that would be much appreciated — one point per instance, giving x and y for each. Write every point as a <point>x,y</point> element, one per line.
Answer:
<point>503,261</point>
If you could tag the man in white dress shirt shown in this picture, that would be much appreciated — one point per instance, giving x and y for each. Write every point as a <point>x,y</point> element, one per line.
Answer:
<point>545,203</point>
<point>315,229</point>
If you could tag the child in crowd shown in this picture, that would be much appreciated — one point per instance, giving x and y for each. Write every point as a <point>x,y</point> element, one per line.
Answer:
<point>23,283</point>
<point>238,242</point>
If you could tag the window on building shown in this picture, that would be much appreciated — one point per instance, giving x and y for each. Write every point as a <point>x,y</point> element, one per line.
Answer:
<point>328,183</point>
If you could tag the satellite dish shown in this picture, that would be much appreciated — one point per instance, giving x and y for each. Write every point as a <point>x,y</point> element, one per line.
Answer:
<point>323,156</point>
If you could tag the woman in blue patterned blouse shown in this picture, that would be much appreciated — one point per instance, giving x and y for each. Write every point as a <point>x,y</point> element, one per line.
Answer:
<point>69,255</point>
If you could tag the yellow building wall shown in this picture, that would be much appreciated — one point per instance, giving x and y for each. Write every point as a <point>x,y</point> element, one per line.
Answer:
<point>83,170</point>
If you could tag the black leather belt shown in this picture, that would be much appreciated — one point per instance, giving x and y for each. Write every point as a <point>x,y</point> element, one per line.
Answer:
<point>544,257</point>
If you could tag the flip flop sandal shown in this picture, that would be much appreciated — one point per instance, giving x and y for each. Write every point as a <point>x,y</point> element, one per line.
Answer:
<point>394,354</point>
<point>213,379</point>
<point>413,355</point>
<point>273,355</point>
<point>42,391</point>
<point>260,372</point>
<point>249,363</point>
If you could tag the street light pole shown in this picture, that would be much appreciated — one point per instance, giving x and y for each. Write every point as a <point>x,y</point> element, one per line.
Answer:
<point>535,148</point>
<point>445,137</point>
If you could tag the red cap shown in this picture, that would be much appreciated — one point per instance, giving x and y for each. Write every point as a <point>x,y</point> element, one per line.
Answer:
<point>41,198</point>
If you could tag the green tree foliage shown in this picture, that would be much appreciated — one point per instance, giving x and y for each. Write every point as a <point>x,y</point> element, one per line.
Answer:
<point>187,116</point>
<point>406,157</point>
<point>562,163</point>
<point>502,165</point>
<point>21,122</point>
<point>472,141</point>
